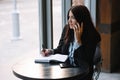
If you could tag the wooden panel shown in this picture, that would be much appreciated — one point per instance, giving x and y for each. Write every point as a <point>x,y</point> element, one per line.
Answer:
<point>105,47</point>
<point>105,11</point>
<point>108,22</point>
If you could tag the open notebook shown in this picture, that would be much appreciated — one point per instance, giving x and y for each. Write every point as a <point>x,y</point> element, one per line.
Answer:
<point>55,58</point>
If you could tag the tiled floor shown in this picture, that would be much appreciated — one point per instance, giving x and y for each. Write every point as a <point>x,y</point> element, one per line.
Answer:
<point>11,51</point>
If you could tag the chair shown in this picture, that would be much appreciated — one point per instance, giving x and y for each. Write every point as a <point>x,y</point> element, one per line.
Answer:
<point>97,62</point>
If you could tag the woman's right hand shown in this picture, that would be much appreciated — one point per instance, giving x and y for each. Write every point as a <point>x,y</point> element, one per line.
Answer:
<point>46,52</point>
<point>78,30</point>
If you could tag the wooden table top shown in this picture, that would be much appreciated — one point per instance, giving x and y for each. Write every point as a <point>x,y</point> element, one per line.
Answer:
<point>27,69</point>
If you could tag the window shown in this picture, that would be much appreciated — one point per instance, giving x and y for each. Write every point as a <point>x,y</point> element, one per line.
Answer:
<point>57,21</point>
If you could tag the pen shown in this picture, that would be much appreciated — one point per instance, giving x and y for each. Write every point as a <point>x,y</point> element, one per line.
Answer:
<point>43,48</point>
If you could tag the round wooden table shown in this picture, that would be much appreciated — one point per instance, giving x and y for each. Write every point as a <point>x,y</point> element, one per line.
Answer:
<point>27,69</point>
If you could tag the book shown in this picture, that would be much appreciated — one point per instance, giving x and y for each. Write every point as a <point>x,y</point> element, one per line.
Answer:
<point>56,58</point>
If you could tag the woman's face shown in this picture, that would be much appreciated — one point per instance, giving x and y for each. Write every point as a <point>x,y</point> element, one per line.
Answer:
<point>71,21</point>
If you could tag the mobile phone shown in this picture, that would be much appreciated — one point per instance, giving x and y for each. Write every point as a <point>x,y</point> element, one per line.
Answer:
<point>65,65</point>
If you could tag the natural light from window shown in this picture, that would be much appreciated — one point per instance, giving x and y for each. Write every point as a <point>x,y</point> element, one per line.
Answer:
<point>57,21</point>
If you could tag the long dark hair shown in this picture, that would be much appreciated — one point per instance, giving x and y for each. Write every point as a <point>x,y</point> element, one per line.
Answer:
<point>90,34</point>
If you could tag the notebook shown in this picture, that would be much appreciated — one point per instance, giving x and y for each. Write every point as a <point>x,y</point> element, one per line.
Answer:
<point>52,58</point>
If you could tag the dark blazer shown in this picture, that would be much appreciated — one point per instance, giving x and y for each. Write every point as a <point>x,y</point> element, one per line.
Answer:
<point>84,54</point>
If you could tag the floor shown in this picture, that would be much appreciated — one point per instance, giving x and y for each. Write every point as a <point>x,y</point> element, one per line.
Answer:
<point>12,50</point>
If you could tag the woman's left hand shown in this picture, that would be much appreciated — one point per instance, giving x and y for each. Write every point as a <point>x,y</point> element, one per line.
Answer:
<point>78,30</point>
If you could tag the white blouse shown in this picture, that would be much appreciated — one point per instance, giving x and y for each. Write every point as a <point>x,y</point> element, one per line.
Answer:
<point>73,46</point>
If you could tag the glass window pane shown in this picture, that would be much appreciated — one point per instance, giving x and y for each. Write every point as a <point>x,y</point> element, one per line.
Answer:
<point>57,21</point>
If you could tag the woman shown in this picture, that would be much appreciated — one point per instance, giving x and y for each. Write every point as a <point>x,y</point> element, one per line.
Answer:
<point>78,40</point>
